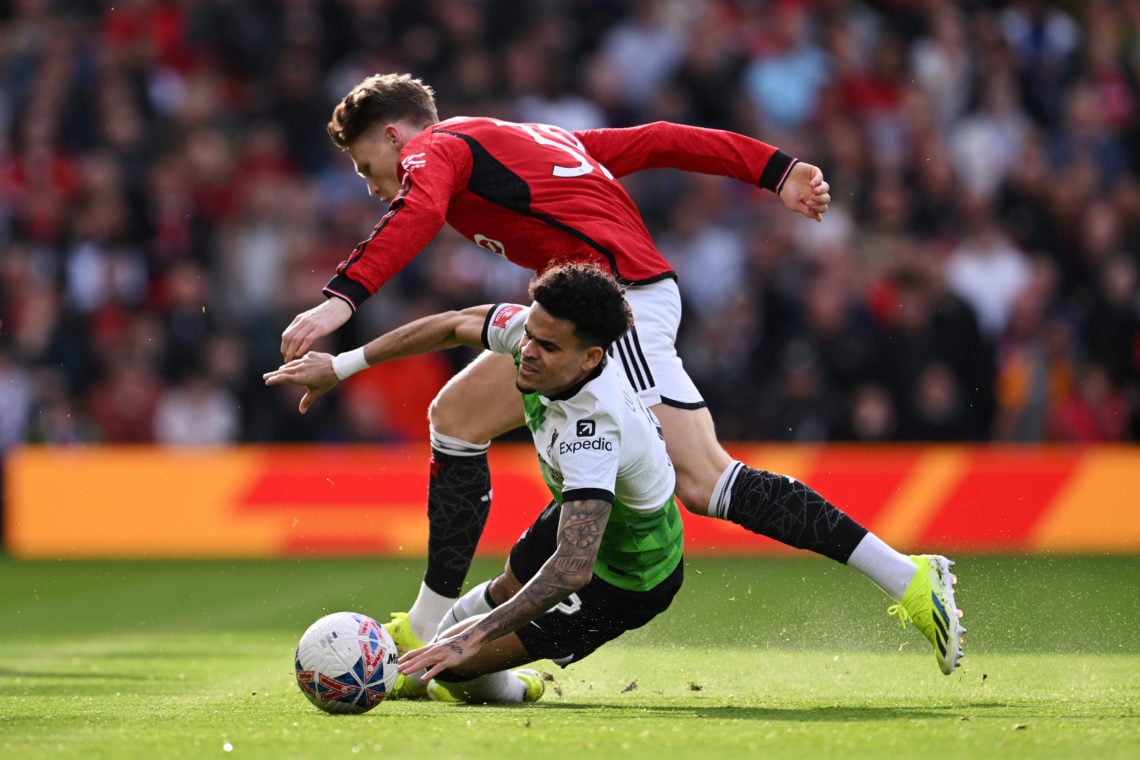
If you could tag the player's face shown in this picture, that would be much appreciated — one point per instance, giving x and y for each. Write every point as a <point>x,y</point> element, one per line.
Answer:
<point>376,154</point>
<point>551,358</point>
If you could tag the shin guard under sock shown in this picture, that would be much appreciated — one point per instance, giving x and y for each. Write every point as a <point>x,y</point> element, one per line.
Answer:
<point>459,500</point>
<point>783,508</point>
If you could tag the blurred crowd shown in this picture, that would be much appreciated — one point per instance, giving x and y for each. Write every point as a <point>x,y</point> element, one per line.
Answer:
<point>170,200</point>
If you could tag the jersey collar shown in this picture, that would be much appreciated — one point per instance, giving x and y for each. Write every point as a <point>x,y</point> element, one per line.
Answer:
<point>572,391</point>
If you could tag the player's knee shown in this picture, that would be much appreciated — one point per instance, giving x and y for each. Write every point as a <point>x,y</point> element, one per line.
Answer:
<point>504,586</point>
<point>445,414</point>
<point>693,495</point>
<point>699,464</point>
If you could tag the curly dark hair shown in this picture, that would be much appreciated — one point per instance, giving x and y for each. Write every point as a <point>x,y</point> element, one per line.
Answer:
<point>378,99</point>
<point>586,296</point>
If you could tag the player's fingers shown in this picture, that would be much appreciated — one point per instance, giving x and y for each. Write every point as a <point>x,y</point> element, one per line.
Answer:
<point>419,659</point>
<point>279,376</point>
<point>408,661</point>
<point>306,402</point>
<point>286,373</point>
<point>293,349</point>
<point>288,338</point>
<point>413,665</point>
<point>296,339</point>
<point>305,343</point>
<point>299,346</point>
<point>436,669</point>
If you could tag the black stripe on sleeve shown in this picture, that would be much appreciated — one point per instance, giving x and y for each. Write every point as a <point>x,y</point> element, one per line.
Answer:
<point>583,494</point>
<point>487,326</point>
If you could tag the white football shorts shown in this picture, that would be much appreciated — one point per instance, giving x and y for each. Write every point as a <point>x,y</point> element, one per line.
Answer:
<point>648,352</point>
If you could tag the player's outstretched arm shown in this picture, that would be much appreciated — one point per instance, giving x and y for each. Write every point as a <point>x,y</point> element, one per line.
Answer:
<point>580,529</point>
<point>319,372</point>
<point>806,192</point>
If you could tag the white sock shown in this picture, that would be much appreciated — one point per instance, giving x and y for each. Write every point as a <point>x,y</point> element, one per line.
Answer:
<point>428,610</point>
<point>500,686</point>
<point>474,602</point>
<point>887,568</point>
<point>722,492</point>
<point>456,447</point>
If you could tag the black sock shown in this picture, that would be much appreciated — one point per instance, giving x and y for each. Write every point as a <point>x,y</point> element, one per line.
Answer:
<point>459,500</point>
<point>793,513</point>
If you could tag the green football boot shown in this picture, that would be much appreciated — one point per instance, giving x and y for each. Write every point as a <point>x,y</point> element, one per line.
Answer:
<point>929,603</point>
<point>400,629</point>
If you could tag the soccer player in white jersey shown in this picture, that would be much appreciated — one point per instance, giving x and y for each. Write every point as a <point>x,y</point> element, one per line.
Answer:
<point>605,556</point>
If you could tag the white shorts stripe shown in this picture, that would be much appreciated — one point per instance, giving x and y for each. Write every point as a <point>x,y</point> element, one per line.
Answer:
<point>633,360</point>
<point>648,352</point>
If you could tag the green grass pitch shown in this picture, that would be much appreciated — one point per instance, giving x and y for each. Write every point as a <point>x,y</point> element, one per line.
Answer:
<point>768,657</point>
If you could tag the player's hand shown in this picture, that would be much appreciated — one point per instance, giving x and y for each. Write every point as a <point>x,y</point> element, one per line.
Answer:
<point>440,655</point>
<point>806,192</point>
<point>309,326</point>
<point>314,370</point>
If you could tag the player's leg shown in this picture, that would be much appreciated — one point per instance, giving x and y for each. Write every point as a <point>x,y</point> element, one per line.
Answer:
<point>712,483</point>
<point>487,677</point>
<point>794,513</point>
<point>474,407</point>
<point>492,675</point>
<point>566,633</point>
<point>481,599</point>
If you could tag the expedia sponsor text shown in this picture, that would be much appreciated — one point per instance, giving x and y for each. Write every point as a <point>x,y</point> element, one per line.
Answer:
<point>595,444</point>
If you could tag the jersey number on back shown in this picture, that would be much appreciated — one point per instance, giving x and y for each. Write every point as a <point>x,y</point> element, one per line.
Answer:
<point>545,134</point>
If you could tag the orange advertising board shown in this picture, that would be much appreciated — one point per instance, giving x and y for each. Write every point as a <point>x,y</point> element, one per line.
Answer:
<point>248,501</point>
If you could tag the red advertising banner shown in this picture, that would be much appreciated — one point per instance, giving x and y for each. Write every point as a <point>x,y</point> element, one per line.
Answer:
<point>371,500</point>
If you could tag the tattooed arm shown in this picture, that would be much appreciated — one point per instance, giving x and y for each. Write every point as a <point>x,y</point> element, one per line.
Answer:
<point>580,529</point>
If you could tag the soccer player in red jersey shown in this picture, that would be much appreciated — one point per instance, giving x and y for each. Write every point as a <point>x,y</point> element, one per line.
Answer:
<point>539,195</point>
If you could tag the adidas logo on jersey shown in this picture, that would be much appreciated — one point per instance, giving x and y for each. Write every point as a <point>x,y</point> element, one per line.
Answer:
<point>414,161</point>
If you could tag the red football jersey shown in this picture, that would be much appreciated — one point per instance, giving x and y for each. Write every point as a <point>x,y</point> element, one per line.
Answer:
<point>536,195</point>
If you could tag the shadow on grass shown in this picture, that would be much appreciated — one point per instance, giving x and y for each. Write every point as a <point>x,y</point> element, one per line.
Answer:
<point>822,714</point>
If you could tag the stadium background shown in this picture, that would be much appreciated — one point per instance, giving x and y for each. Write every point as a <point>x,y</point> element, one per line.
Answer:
<point>170,201</point>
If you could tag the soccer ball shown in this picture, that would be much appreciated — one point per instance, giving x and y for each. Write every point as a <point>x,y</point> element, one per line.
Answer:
<point>346,663</point>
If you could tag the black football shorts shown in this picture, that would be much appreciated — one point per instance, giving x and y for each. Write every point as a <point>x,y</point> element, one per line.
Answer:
<point>595,614</point>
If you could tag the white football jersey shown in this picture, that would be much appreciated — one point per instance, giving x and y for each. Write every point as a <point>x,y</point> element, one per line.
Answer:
<point>596,440</point>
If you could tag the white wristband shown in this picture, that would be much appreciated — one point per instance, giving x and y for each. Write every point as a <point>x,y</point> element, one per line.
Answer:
<point>349,363</point>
